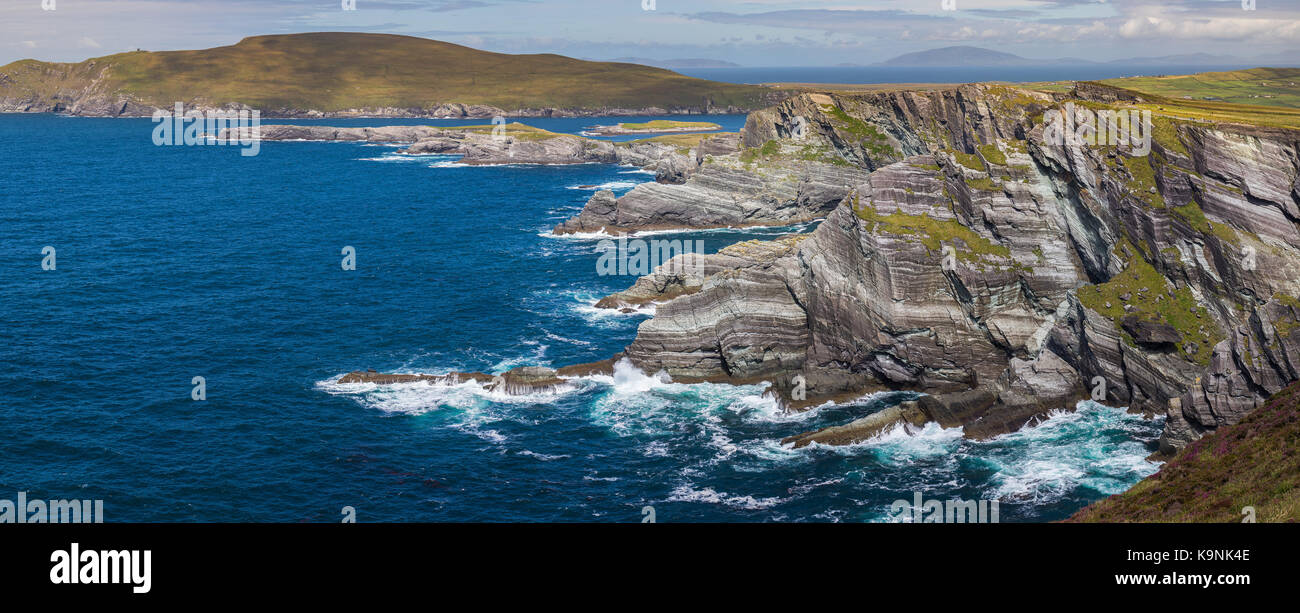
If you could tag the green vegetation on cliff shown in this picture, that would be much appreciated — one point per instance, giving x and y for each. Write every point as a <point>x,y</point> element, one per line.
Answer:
<point>869,136</point>
<point>1255,463</point>
<point>336,71</point>
<point>933,233</point>
<point>1148,295</point>
<point>1195,217</point>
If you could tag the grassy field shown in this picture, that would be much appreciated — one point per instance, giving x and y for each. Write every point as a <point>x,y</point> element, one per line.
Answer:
<point>1252,464</point>
<point>1260,96</point>
<point>1258,86</point>
<point>332,71</point>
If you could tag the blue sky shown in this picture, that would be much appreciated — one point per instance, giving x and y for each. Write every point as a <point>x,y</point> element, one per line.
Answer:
<point>748,32</point>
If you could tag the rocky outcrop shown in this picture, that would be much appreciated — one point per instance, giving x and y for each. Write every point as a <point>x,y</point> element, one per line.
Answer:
<point>905,415</point>
<point>479,145</point>
<point>520,381</point>
<point>685,274</point>
<point>975,259</point>
<point>739,189</point>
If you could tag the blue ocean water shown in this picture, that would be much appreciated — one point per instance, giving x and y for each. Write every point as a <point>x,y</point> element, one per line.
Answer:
<point>182,262</point>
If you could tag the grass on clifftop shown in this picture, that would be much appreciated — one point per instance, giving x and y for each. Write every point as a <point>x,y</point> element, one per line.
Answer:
<point>1255,463</point>
<point>337,71</point>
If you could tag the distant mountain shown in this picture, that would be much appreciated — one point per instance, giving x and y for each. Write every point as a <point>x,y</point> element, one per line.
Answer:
<point>678,63</point>
<point>959,56</point>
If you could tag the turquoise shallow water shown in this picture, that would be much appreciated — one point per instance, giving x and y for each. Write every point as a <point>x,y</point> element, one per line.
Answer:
<point>177,262</point>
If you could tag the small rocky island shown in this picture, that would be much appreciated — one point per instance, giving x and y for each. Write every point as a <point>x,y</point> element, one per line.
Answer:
<point>658,126</point>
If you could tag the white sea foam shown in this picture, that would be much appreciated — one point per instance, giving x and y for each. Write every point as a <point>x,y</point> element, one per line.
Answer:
<point>542,456</point>
<point>608,185</point>
<point>420,397</point>
<point>450,164</point>
<point>601,234</point>
<point>689,493</point>
<point>584,304</point>
<point>401,157</point>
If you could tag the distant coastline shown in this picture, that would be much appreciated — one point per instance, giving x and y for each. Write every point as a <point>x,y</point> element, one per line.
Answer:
<point>942,74</point>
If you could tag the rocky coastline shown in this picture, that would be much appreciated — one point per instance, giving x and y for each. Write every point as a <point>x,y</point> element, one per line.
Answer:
<point>966,256</point>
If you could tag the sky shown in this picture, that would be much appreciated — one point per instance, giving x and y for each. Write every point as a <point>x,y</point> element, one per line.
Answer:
<point>747,32</point>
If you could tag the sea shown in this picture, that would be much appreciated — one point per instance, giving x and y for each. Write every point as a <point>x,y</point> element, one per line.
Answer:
<point>175,320</point>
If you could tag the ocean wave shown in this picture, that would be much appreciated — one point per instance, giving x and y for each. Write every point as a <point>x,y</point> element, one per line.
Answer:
<point>1092,446</point>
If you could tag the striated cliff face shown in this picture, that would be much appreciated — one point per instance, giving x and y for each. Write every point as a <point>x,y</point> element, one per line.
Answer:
<point>976,259</point>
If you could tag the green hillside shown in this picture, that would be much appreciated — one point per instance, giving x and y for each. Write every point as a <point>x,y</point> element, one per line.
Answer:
<point>1254,463</point>
<point>1257,86</point>
<point>331,71</point>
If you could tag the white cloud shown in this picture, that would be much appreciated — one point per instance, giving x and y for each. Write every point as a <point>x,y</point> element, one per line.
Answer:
<point>1219,28</point>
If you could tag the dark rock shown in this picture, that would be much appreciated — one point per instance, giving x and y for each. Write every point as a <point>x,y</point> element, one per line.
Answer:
<point>1150,333</point>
